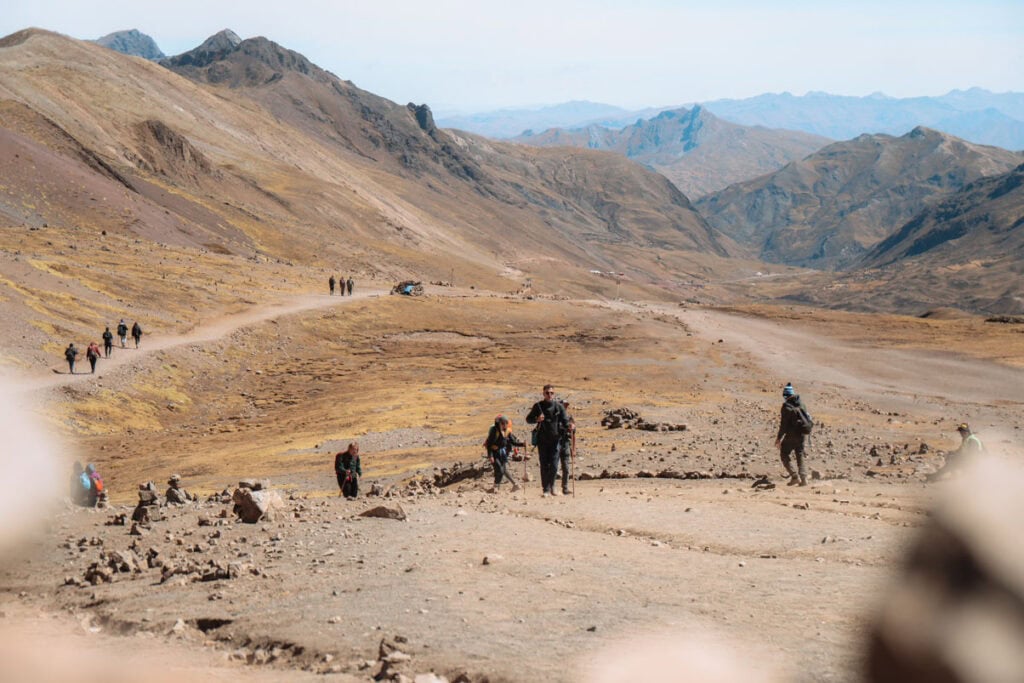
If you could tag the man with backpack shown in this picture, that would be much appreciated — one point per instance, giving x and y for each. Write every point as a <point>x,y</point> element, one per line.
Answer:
<point>92,354</point>
<point>795,424</point>
<point>330,283</point>
<point>348,469</point>
<point>108,342</point>
<point>122,333</point>
<point>136,333</point>
<point>70,354</point>
<point>552,423</point>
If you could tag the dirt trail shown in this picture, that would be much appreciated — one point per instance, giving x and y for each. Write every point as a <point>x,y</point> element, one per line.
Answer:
<point>207,332</point>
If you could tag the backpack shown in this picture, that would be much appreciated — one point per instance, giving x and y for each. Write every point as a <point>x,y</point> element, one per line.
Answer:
<point>97,482</point>
<point>803,419</point>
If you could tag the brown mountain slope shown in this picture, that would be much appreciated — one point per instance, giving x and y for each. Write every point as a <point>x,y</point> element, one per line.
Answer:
<point>695,149</point>
<point>282,155</point>
<point>827,210</point>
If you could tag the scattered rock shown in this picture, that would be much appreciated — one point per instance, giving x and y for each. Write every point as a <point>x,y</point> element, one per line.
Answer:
<point>385,512</point>
<point>255,504</point>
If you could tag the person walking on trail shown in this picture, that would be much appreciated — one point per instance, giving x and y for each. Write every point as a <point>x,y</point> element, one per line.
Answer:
<point>70,354</point>
<point>122,333</point>
<point>136,333</point>
<point>499,444</point>
<point>108,342</point>
<point>552,422</point>
<point>348,470</point>
<point>331,282</point>
<point>350,286</point>
<point>970,446</point>
<point>794,425</point>
<point>92,353</point>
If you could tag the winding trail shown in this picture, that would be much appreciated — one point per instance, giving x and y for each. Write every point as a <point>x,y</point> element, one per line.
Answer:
<point>206,332</point>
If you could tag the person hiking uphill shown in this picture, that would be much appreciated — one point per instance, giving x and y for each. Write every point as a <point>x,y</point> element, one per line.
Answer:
<point>70,354</point>
<point>565,450</point>
<point>552,422</point>
<point>499,444</point>
<point>92,353</point>
<point>794,424</point>
<point>348,470</point>
<point>350,285</point>
<point>136,333</point>
<point>122,332</point>
<point>331,282</point>
<point>970,446</point>
<point>108,342</point>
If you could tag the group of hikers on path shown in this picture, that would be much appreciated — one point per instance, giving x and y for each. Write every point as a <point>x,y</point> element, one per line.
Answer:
<point>92,352</point>
<point>342,285</point>
<point>554,436</point>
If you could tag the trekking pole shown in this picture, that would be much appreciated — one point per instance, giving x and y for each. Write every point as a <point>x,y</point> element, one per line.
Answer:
<point>572,462</point>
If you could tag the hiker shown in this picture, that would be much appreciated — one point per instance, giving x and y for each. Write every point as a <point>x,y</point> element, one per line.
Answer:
<point>81,485</point>
<point>348,470</point>
<point>970,446</point>
<point>136,333</point>
<point>794,424</point>
<point>108,342</point>
<point>341,285</point>
<point>499,444</point>
<point>331,282</point>
<point>70,354</point>
<point>552,422</point>
<point>122,332</point>
<point>97,494</point>
<point>350,285</point>
<point>92,353</point>
<point>565,448</point>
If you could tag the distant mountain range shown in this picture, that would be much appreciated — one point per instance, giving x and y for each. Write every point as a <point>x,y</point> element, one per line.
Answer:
<point>695,149</point>
<point>132,42</point>
<point>828,210</point>
<point>976,115</point>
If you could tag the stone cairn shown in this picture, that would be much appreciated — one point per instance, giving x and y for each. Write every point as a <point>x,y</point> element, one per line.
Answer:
<point>176,495</point>
<point>624,418</point>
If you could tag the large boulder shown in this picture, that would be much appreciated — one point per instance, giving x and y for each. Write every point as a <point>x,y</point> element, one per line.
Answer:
<point>254,506</point>
<point>385,512</point>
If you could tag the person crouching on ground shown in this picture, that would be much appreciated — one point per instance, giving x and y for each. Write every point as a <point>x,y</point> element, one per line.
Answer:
<point>552,423</point>
<point>348,470</point>
<point>970,447</point>
<point>499,444</point>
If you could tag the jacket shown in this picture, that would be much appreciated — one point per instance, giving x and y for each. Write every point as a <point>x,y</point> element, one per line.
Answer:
<point>555,424</point>
<point>346,463</point>
<point>789,419</point>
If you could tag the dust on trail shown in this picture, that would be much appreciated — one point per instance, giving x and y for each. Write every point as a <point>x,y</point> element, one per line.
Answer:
<point>211,331</point>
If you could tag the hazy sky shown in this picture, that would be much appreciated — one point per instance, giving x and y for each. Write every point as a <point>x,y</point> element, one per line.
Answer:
<point>477,54</point>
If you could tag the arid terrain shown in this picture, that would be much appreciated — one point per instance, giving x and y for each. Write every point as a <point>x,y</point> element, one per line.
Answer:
<point>211,196</point>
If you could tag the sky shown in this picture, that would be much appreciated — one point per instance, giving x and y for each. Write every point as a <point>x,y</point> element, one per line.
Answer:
<point>476,55</point>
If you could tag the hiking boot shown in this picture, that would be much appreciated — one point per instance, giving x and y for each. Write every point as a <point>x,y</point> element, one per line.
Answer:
<point>803,481</point>
<point>565,490</point>
<point>793,480</point>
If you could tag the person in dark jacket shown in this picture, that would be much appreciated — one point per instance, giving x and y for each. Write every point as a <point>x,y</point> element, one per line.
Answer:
<point>108,342</point>
<point>790,438</point>
<point>70,354</point>
<point>350,285</point>
<point>136,333</point>
<point>331,282</point>
<point>552,423</point>
<point>348,470</point>
<point>499,444</point>
<point>122,332</point>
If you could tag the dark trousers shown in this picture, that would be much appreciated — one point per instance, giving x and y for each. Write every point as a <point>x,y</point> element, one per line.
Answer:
<point>565,460</point>
<point>548,456</point>
<point>108,347</point>
<point>71,365</point>
<point>791,444</point>
<point>500,465</point>
<point>349,485</point>
<point>136,338</point>
<point>92,362</point>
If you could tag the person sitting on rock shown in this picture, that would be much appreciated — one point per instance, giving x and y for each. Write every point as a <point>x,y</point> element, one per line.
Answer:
<point>499,444</point>
<point>970,446</point>
<point>348,469</point>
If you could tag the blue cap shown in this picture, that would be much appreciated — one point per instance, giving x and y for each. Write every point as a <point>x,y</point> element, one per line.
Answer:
<point>787,390</point>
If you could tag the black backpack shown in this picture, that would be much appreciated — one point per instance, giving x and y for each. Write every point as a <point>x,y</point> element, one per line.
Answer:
<point>803,419</point>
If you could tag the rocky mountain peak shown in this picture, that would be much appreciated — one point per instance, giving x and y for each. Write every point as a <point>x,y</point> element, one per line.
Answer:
<point>212,49</point>
<point>131,42</point>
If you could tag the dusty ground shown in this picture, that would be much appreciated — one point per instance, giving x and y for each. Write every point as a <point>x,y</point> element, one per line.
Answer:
<point>787,577</point>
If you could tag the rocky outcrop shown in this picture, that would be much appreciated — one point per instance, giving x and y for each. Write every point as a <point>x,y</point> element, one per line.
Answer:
<point>132,42</point>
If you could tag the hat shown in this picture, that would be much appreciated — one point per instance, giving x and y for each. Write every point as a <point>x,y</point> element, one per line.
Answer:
<point>963,427</point>
<point>788,390</point>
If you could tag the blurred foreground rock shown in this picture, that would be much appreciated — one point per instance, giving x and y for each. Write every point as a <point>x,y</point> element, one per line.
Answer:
<point>957,611</point>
